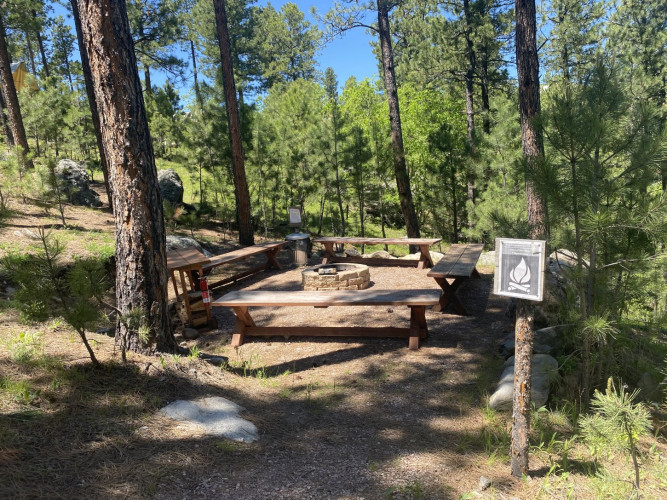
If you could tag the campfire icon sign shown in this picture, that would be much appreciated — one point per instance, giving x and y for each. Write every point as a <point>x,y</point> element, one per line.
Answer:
<point>519,268</point>
<point>520,277</point>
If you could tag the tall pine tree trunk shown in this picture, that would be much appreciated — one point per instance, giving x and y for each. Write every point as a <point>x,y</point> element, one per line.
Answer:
<point>198,98</point>
<point>31,54</point>
<point>9,137</point>
<point>243,213</point>
<point>470,103</point>
<point>92,102</point>
<point>147,80</point>
<point>533,150</point>
<point>141,261</point>
<point>42,50</point>
<point>400,167</point>
<point>11,99</point>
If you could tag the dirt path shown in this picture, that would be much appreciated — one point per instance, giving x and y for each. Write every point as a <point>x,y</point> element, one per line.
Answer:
<point>338,418</point>
<point>355,418</point>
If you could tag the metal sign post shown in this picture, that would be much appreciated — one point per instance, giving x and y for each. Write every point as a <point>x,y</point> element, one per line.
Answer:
<point>520,268</point>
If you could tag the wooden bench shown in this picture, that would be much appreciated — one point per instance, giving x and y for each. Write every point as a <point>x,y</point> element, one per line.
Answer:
<point>190,264</point>
<point>416,300</point>
<point>459,264</point>
<point>422,243</point>
<point>270,249</point>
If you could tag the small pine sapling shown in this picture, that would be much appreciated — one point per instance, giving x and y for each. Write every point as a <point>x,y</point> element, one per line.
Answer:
<point>46,287</point>
<point>53,189</point>
<point>617,423</point>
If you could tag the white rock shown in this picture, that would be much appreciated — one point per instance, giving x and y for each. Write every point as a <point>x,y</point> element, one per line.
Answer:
<point>215,416</point>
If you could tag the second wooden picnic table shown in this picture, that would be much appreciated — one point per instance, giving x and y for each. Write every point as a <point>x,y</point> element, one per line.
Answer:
<point>424,245</point>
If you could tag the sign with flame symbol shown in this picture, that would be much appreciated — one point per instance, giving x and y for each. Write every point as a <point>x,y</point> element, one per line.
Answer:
<point>519,268</point>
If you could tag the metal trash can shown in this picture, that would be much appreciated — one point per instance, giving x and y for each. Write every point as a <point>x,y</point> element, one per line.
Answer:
<point>299,245</point>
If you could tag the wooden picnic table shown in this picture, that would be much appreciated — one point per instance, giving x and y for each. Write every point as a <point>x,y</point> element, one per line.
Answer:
<point>186,262</point>
<point>191,264</point>
<point>416,300</point>
<point>458,264</point>
<point>424,245</point>
<point>269,248</point>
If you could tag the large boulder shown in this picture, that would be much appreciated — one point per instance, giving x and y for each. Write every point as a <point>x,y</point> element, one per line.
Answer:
<point>178,242</point>
<point>74,179</point>
<point>545,371</point>
<point>171,186</point>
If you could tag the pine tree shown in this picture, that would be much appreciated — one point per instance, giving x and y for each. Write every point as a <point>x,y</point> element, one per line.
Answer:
<point>243,210</point>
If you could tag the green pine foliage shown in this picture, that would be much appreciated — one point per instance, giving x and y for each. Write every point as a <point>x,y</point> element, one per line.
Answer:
<point>49,288</point>
<point>616,424</point>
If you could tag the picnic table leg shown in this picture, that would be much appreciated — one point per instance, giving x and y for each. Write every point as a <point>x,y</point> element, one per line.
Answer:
<point>418,327</point>
<point>243,321</point>
<point>449,295</point>
<point>186,297</point>
<point>425,257</point>
<point>173,282</point>
<point>475,273</point>
<point>328,252</point>
<point>271,261</point>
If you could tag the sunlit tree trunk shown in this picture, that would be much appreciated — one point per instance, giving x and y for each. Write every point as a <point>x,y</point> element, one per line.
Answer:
<point>243,213</point>
<point>400,166</point>
<point>533,150</point>
<point>141,262</point>
<point>92,102</point>
<point>11,99</point>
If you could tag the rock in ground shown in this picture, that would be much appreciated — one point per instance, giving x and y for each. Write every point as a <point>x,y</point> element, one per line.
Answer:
<point>177,242</point>
<point>171,186</point>
<point>545,370</point>
<point>215,416</point>
<point>76,184</point>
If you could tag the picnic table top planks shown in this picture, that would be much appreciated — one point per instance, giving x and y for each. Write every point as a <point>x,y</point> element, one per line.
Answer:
<point>251,298</point>
<point>242,253</point>
<point>185,259</point>
<point>459,261</point>
<point>377,241</point>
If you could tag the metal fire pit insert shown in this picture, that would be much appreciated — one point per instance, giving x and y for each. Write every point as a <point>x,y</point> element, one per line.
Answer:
<point>337,276</point>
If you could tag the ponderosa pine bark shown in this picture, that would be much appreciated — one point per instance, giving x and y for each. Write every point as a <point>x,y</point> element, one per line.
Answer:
<point>400,166</point>
<point>243,213</point>
<point>11,99</point>
<point>9,137</point>
<point>141,262</point>
<point>90,92</point>
<point>533,150</point>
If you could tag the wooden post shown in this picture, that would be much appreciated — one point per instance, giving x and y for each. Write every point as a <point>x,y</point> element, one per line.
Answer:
<point>523,357</point>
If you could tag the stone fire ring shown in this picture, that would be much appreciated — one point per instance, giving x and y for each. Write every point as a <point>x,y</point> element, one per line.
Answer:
<point>347,277</point>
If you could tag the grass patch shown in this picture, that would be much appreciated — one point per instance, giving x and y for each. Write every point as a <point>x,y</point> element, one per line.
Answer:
<point>25,347</point>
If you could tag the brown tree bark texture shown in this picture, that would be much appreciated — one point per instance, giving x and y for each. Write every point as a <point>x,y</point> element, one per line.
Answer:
<point>529,108</point>
<point>141,263</point>
<point>529,102</point>
<point>243,213</point>
<point>90,92</point>
<point>400,167</point>
<point>5,122</point>
<point>11,99</point>
<point>523,355</point>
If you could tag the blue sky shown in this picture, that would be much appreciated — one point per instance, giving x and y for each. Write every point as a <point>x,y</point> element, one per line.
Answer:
<point>349,55</point>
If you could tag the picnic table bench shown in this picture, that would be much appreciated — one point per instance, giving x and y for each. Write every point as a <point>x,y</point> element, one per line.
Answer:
<point>191,264</point>
<point>270,249</point>
<point>459,264</point>
<point>416,300</point>
<point>423,243</point>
